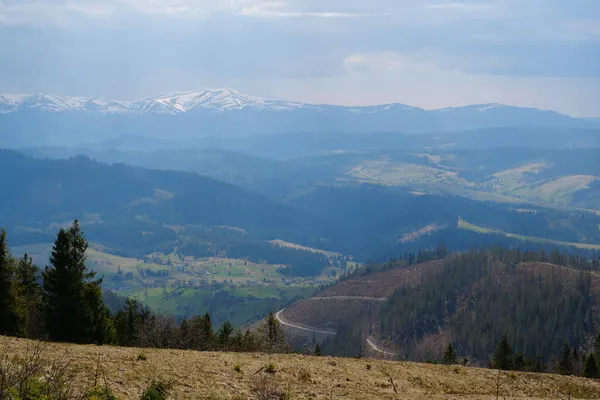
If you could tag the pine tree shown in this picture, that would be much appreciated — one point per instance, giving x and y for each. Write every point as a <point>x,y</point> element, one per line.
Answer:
<point>61,297</point>
<point>450,355</point>
<point>9,316</point>
<point>318,350</point>
<point>30,296</point>
<point>591,367</point>
<point>74,308</point>
<point>101,329</point>
<point>271,335</point>
<point>503,355</point>
<point>519,361</point>
<point>224,334</point>
<point>565,363</point>
<point>597,347</point>
<point>201,332</point>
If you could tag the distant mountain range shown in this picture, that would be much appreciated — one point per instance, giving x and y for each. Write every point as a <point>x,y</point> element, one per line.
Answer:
<point>218,100</point>
<point>50,119</point>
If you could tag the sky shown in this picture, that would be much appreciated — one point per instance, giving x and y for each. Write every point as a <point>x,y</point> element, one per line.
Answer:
<point>426,53</point>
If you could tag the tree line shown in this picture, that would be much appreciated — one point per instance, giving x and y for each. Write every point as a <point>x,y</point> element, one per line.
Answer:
<point>570,361</point>
<point>65,304</point>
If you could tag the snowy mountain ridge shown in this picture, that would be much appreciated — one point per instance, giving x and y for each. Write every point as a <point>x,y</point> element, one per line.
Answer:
<point>216,100</point>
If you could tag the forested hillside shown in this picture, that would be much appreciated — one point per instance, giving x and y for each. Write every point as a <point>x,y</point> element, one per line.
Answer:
<point>414,309</point>
<point>537,300</point>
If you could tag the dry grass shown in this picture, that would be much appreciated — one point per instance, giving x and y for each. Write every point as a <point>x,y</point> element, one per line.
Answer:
<point>212,376</point>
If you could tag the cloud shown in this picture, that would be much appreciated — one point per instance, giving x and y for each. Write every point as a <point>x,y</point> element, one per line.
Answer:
<point>463,6</point>
<point>133,48</point>
<point>291,9</point>
<point>428,58</point>
<point>61,12</point>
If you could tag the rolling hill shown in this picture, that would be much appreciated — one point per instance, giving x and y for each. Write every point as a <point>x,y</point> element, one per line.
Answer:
<point>204,375</point>
<point>108,197</point>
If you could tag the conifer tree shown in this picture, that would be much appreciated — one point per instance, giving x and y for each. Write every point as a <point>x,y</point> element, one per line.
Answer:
<point>63,294</point>
<point>9,317</point>
<point>74,308</point>
<point>597,347</point>
<point>565,363</point>
<point>591,367</point>
<point>503,355</point>
<point>519,361</point>
<point>318,350</point>
<point>224,334</point>
<point>450,355</point>
<point>201,333</point>
<point>271,335</point>
<point>30,296</point>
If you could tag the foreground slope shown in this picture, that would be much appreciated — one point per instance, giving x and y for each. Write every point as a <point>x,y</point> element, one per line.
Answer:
<point>212,375</point>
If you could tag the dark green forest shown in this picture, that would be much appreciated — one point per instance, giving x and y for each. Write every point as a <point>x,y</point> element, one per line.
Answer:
<point>537,299</point>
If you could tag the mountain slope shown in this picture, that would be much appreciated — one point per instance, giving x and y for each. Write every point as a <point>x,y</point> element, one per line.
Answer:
<point>50,119</point>
<point>118,199</point>
<point>469,300</point>
<point>204,375</point>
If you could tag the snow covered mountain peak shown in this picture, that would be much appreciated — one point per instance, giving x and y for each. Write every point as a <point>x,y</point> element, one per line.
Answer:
<point>220,100</point>
<point>216,100</point>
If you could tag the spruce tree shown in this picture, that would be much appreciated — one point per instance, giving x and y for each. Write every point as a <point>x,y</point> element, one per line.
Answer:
<point>9,316</point>
<point>224,335</point>
<point>450,355</point>
<point>503,355</point>
<point>565,363</point>
<point>318,350</point>
<point>30,296</point>
<point>74,308</point>
<point>591,367</point>
<point>597,347</point>
<point>63,294</point>
<point>519,361</point>
<point>201,332</point>
<point>271,335</point>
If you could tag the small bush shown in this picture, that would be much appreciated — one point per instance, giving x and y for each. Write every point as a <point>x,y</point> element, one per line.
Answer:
<point>141,357</point>
<point>369,367</point>
<point>100,393</point>
<point>157,390</point>
<point>237,368</point>
<point>304,375</point>
<point>266,389</point>
<point>332,363</point>
<point>270,368</point>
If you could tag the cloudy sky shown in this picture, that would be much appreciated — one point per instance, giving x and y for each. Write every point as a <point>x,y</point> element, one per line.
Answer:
<point>428,53</point>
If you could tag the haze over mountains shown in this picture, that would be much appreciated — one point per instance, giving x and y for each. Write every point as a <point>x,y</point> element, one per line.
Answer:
<point>49,119</point>
<point>216,200</point>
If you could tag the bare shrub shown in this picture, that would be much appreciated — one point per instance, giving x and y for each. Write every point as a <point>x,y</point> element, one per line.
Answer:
<point>266,389</point>
<point>31,376</point>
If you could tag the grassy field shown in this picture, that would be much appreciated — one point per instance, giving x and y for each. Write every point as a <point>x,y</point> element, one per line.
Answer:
<point>462,224</point>
<point>400,174</point>
<point>522,183</point>
<point>229,376</point>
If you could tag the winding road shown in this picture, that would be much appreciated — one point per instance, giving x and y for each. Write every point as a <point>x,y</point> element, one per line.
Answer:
<point>370,341</point>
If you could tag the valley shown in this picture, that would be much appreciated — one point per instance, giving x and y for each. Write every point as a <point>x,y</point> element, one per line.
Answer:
<point>237,290</point>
